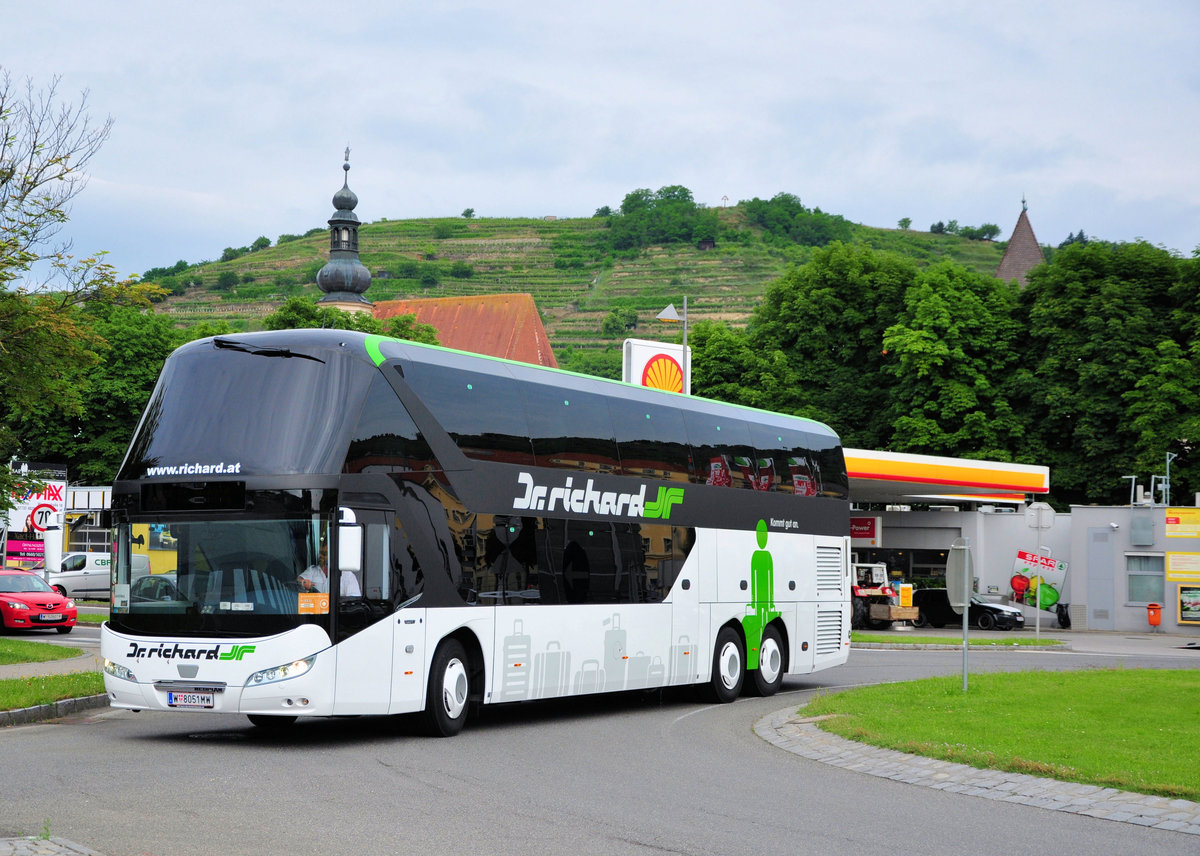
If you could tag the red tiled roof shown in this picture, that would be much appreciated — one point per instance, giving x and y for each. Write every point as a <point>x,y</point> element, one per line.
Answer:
<point>1022,254</point>
<point>498,325</point>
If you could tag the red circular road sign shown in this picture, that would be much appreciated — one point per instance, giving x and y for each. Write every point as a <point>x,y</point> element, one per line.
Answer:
<point>37,520</point>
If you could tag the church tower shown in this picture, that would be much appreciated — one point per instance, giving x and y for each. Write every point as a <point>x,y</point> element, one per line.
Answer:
<point>344,277</point>
<point>1023,252</point>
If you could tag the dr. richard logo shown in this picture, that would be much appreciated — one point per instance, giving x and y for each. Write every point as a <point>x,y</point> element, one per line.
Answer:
<point>587,499</point>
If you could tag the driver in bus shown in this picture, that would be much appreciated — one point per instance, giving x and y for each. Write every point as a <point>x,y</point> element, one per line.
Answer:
<point>316,577</point>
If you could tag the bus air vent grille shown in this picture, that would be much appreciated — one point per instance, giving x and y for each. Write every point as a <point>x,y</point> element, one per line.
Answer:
<point>829,569</point>
<point>829,631</point>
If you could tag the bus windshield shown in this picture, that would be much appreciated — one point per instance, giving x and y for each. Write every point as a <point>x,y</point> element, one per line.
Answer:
<point>222,577</point>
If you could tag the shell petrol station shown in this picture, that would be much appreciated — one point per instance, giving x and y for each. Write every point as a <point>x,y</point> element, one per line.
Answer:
<point>1128,568</point>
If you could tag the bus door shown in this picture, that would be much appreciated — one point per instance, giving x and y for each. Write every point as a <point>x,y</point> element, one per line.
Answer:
<point>361,594</point>
<point>686,663</point>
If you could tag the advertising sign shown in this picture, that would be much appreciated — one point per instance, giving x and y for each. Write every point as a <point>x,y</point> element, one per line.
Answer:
<point>1189,604</point>
<point>1183,567</point>
<point>1037,580</point>
<point>35,514</point>
<point>866,531</point>
<point>1183,523</point>
<point>658,365</point>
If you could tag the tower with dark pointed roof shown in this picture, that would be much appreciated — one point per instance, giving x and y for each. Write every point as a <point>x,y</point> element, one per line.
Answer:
<point>344,277</point>
<point>1023,252</point>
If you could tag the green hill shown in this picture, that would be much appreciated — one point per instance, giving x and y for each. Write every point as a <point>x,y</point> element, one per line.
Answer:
<point>567,265</point>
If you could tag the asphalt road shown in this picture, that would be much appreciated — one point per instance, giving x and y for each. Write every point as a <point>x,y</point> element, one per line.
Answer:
<point>625,774</point>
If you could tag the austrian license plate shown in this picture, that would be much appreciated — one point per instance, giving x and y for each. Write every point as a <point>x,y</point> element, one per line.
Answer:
<point>190,700</point>
<point>50,616</point>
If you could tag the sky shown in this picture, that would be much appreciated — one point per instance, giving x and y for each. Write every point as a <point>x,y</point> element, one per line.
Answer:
<point>231,118</point>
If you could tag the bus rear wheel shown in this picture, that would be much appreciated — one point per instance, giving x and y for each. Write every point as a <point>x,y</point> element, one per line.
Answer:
<point>728,668</point>
<point>449,690</point>
<point>768,677</point>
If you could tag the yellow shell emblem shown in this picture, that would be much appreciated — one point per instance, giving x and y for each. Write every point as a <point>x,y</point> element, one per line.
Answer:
<point>663,372</point>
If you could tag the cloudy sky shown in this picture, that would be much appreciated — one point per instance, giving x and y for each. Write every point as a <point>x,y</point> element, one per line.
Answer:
<point>231,117</point>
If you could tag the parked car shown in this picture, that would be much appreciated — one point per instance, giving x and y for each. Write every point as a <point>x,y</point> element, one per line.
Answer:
<point>27,602</point>
<point>89,575</point>
<point>934,610</point>
<point>83,575</point>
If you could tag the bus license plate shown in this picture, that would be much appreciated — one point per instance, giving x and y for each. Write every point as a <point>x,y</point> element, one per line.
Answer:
<point>190,700</point>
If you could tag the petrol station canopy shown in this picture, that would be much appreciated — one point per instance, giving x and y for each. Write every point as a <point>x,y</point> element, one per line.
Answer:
<point>896,477</point>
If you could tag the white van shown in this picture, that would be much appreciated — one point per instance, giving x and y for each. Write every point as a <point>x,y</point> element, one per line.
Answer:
<point>89,575</point>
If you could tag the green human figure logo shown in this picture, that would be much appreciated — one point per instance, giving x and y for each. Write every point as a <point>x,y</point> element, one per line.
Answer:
<point>761,610</point>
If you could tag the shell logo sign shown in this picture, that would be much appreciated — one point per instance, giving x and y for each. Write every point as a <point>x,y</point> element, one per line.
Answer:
<point>663,372</point>
<point>658,365</point>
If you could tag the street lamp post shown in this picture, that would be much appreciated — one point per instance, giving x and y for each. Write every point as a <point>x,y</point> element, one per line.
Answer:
<point>671,316</point>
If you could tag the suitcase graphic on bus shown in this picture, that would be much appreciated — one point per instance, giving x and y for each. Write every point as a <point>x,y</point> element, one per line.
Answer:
<point>589,678</point>
<point>682,658</point>
<point>514,677</point>
<point>639,671</point>
<point>615,660</point>
<point>657,675</point>
<point>552,671</point>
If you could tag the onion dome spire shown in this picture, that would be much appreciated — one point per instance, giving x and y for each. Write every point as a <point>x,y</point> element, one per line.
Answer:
<point>344,277</point>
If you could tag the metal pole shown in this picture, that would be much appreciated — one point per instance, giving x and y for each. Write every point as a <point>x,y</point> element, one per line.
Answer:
<point>687,363</point>
<point>966,617</point>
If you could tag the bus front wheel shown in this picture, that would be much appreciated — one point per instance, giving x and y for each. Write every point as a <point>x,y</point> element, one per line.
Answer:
<point>449,689</point>
<point>728,668</point>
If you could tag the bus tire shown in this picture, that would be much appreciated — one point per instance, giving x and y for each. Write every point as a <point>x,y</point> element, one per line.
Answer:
<point>270,723</point>
<point>728,668</point>
<point>768,677</point>
<point>449,690</point>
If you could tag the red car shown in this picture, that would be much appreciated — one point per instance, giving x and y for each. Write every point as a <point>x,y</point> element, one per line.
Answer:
<point>28,602</point>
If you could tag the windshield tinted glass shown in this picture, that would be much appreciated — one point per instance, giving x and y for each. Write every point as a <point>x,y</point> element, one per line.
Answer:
<point>213,577</point>
<point>17,583</point>
<point>222,411</point>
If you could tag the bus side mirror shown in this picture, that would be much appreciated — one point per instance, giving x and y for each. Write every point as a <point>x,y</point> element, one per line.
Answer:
<point>350,547</point>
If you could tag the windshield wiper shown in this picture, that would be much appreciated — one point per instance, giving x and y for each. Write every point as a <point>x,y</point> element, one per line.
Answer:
<point>230,344</point>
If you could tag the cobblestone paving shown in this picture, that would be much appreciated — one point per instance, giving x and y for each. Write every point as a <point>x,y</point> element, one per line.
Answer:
<point>803,737</point>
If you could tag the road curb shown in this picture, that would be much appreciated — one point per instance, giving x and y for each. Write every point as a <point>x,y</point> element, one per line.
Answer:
<point>54,710</point>
<point>934,646</point>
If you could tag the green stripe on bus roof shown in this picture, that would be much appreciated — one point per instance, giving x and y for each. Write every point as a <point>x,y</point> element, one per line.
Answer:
<point>373,343</point>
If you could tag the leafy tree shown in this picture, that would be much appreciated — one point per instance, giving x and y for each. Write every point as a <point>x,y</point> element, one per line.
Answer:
<point>226,280</point>
<point>785,217</point>
<point>1098,320</point>
<point>603,211</point>
<point>230,253</point>
<point>461,270</point>
<point>938,228</point>
<point>407,327</point>
<point>951,347</point>
<point>46,345</point>
<point>442,231</point>
<point>904,223</point>
<point>260,243</point>
<point>619,321</point>
<point>468,213</point>
<point>298,312</point>
<point>113,393</point>
<point>826,319</point>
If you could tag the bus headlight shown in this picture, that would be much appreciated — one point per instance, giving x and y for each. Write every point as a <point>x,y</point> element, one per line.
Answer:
<point>294,669</point>
<point>118,671</point>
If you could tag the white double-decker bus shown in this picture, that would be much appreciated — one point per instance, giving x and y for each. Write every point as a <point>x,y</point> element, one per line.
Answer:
<point>343,524</point>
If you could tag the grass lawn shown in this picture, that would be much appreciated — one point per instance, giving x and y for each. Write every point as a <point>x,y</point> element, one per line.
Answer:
<point>1130,729</point>
<point>911,639</point>
<point>25,651</point>
<point>16,693</point>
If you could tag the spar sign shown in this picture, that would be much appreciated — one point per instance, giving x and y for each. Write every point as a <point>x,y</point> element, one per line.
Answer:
<point>37,514</point>
<point>1038,580</point>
